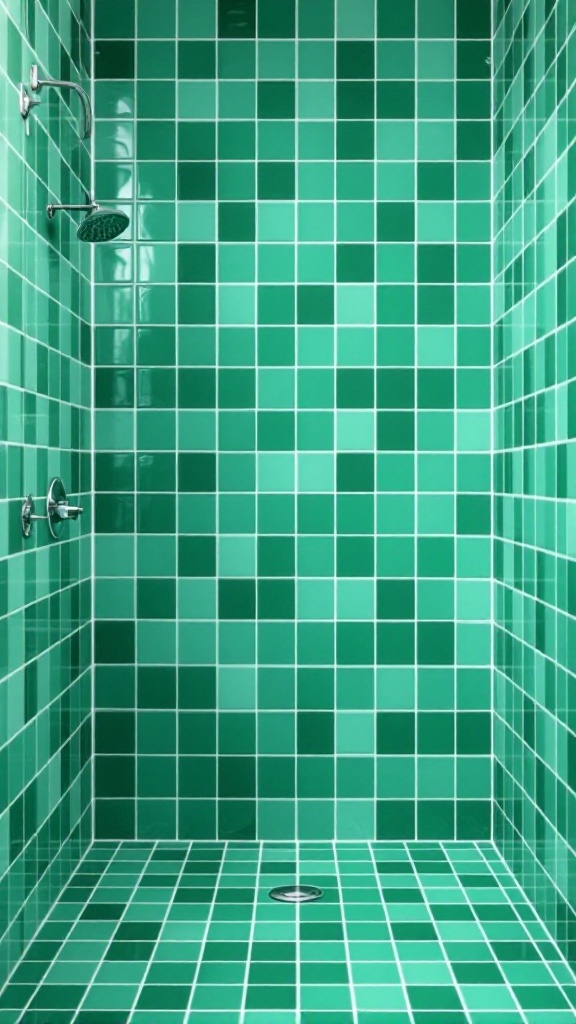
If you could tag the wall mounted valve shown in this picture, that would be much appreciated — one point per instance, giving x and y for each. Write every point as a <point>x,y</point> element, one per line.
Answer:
<point>28,515</point>
<point>58,510</point>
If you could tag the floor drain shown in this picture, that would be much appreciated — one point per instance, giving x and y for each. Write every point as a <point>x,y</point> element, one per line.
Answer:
<point>296,893</point>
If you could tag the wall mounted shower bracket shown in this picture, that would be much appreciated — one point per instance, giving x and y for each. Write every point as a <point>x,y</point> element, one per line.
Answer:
<point>29,94</point>
<point>58,510</point>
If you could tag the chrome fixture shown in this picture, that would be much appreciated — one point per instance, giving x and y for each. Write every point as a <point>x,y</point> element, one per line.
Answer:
<point>28,515</point>
<point>29,97</point>
<point>58,510</point>
<point>101,224</point>
<point>296,893</point>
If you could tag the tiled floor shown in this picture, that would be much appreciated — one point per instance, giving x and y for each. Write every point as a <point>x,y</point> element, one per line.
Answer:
<point>416,933</point>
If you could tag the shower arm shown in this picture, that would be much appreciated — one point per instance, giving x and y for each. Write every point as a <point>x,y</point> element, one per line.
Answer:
<point>53,208</point>
<point>37,84</point>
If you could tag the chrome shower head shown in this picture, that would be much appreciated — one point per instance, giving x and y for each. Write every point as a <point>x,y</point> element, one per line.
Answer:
<point>101,224</point>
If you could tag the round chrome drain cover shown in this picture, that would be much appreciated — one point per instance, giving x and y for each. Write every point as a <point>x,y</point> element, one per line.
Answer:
<point>296,893</point>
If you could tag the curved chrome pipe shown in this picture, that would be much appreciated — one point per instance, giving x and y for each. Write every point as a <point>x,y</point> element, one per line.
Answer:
<point>28,101</point>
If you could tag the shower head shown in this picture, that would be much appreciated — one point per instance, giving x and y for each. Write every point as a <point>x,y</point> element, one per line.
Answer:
<point>101,224</point>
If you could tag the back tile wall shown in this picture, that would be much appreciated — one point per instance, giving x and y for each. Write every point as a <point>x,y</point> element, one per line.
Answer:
<point>293,426</point>
<point>45,396</point>
<point>535,484</point>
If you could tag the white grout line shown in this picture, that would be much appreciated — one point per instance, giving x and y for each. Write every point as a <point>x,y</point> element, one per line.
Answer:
<point>169,905</point>
<point>517,885</point>
<point>51,761</point>
<point>177,338</point>
<point>146,861</point>
<point>242,1013</point>
<point>224,851</point>
<point>492,428</point>
<point>93,446</point>
<point>296,399</point>
<point>480,924</point>
<point>257,666</point>
<point>417,452</point>
<point>345,932</point>
<point>457,620</point>
<point>334,579</point>
<point>397,959</point>
<point>44,920</point>
<point>482,929</point>
<point>375,697</point>
<point>447,960</point>
<point>297,940</point>
<point>217,453</point>
<point>133,243</point>
<point>73,923</point>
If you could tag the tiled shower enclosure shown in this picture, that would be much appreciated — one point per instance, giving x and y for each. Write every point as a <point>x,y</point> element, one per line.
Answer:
<point>292,422</point>
<point>316,624</point>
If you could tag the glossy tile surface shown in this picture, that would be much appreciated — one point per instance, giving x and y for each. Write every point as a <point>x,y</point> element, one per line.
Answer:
<point>405,934</point>
<point>293,466</point>
<point>535,427</point>
<point>45,396</point>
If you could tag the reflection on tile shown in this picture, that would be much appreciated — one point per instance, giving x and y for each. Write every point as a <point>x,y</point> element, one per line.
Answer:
<point>114,99</point>
<point>114,180</point>
<point>115,140</point>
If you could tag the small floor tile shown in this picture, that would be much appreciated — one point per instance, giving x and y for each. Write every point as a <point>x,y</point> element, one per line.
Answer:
<point>427,933</point>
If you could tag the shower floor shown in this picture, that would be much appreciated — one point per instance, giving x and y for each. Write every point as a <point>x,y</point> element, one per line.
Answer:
<point>184,933</point>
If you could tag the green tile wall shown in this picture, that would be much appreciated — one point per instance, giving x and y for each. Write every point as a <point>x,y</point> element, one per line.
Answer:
<point>535,483</point>
<point>293,427</point>
<point>45,380</point>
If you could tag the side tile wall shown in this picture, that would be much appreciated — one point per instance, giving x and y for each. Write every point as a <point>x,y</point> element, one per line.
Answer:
<point>45,399</point>
<point>535,431</point>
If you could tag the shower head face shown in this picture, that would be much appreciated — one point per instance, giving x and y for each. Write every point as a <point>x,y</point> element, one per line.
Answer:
<point>102,225</point>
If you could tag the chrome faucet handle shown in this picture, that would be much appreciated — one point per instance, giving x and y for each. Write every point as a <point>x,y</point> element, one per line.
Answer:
<point>59,508</point>
<point>66,511</point>
<point>27,101</point>
<point>28,515</point>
